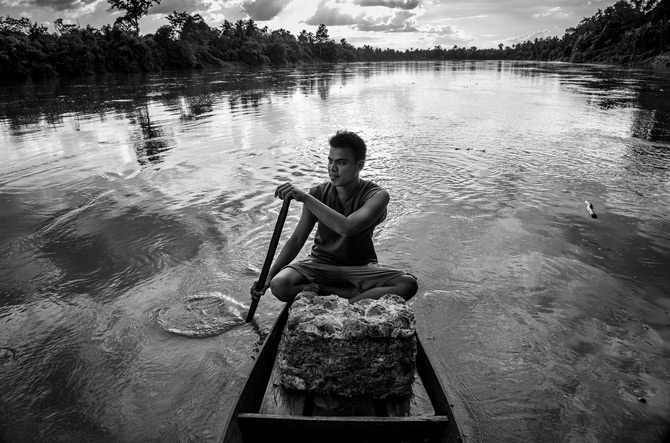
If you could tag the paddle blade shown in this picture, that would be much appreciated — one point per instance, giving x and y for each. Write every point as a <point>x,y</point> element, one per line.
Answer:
<point>252,309</point>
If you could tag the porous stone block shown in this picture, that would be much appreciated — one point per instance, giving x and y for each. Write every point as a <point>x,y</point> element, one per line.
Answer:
<point>333,347</point>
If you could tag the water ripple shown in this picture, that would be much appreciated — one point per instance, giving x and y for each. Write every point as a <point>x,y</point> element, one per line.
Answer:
<point>125,194</point>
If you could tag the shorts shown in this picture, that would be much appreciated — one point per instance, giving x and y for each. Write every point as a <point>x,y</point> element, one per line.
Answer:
<point>362,277</point>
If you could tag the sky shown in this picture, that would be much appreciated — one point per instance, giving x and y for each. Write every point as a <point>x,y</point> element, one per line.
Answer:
<point>396,24</point>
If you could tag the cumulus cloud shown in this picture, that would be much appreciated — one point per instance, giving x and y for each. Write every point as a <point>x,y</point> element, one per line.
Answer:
<point>393,4</point>
<point>402,21</point>
<point>447,35</point>
<point>264,9</point>
<point>444,30</point>
<point>448,42</point>
<point>331,16</point>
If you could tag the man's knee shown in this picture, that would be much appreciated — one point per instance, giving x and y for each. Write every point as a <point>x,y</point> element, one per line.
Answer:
<point>406,286</point>
<point>281,289</point>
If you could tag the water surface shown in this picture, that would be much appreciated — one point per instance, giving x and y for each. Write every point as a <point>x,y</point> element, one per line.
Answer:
<point>126,194</point>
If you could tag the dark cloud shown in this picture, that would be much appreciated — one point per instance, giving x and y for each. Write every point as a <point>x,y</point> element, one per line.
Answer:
<point>264,9</point>
<point>394,4</point>
<point>61,5</point>
<point>400,21</point>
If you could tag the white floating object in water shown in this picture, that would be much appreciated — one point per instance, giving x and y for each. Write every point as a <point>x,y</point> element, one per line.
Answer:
<point>589,208</point>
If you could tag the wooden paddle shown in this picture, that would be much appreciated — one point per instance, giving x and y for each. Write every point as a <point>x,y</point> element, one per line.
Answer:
<point>268,259</point>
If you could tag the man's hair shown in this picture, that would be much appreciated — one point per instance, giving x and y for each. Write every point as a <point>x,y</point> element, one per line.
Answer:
<point>346,139</point>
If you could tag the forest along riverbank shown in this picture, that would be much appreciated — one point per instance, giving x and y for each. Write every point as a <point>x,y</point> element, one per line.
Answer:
<point>628,33</point>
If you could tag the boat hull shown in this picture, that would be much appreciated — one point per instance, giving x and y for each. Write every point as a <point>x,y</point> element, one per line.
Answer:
<point>298,421</point>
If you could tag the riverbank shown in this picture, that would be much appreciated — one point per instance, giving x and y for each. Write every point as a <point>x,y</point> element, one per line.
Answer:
<point>625,33</point>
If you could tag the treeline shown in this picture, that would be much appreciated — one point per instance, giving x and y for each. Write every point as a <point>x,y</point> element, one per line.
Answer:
<point>29,50</point>
<point>626,32</point>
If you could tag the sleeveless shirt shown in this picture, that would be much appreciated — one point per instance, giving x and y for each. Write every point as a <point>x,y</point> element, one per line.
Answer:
<point>330,247</point>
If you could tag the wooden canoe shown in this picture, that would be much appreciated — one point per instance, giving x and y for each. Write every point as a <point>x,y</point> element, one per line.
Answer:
<point>265,412</point>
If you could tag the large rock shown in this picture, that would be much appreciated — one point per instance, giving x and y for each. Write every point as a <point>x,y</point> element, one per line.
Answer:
<point>333,347</point>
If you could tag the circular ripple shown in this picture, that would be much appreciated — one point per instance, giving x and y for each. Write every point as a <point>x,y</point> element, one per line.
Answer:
<point>199,316</point>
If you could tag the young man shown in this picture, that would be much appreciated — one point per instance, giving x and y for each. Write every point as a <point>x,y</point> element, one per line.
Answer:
<point>346,209</point>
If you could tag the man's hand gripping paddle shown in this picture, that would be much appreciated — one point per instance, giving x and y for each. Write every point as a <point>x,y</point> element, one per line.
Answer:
<point>268,259</point>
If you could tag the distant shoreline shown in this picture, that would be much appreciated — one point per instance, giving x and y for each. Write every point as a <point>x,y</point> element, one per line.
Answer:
<point>629,34</point>
<point>659,63</point>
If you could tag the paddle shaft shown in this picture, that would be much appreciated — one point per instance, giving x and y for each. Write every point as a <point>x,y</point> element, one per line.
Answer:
<point>268,259</point>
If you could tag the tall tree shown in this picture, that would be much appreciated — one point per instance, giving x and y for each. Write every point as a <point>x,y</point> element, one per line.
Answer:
<point>321,36</point>
<point>135,10</point>
<point>252,28</point>
<point>14,25</point>
<point>64,28</point>
<point>241,29</point>
<point>644,5</point>
<point>306,37</point>
<point>183,22</point>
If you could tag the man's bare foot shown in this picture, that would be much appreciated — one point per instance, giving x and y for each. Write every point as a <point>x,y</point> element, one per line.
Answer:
<point>342,291</point>
<point>312,287</point>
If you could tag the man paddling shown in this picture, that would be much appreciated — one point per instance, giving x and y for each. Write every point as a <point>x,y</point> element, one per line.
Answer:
<point>346,210</point>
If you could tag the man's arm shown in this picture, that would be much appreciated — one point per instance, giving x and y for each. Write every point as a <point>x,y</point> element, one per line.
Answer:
<point>358,221</point>
<point>293,245</point>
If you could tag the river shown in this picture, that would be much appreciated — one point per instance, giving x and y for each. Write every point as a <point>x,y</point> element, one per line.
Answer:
<point>123,195</point>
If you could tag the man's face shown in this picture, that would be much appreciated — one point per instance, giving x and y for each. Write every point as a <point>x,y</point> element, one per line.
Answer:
<point>342,168</point>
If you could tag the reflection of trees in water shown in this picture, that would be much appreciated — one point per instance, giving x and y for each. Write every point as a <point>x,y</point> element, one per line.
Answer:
<point>652,121</point>
<point>619,88</point>
<point>317,85</point>
<point>25,105</point>
<point>345,76</point>
<point>192,107</point>
<point>323,87</point>
<point>245,101</point>
<point>151,145</point>
<point>651,118</point>
<point>28,104</point>
<point>644,124</point>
